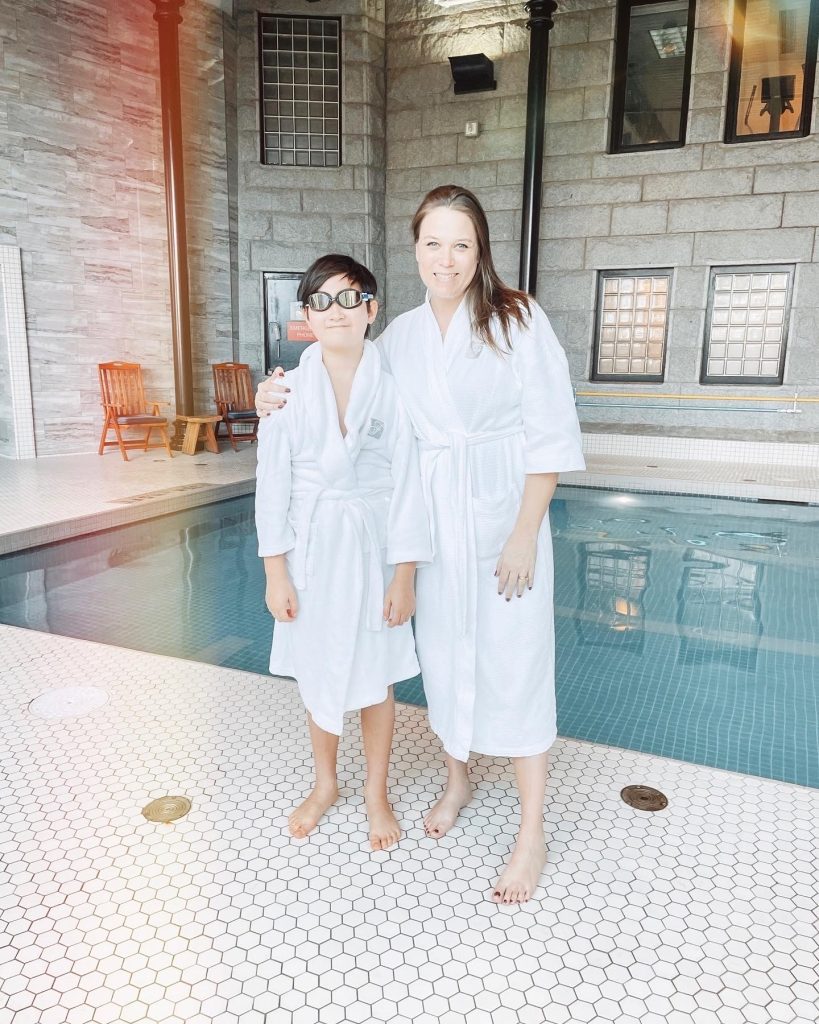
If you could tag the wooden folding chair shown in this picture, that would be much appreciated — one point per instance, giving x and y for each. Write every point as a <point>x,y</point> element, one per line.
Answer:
<point>234,394</point>
<point>123,400</point>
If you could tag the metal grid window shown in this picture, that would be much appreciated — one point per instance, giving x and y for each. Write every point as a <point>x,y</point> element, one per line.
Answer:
<point>300,89</point>
<point>746,325</point>
<point>632,325</point>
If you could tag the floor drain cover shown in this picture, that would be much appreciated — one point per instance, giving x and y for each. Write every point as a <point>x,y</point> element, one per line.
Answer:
<point>167,808</point>
<point>68,702</point>
<point>644,798</point>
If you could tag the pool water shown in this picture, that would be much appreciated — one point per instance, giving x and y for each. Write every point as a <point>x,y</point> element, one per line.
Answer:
<point>685,626</point>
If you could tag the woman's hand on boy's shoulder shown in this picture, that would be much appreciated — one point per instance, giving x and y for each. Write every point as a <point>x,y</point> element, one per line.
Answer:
<point>271,393</point>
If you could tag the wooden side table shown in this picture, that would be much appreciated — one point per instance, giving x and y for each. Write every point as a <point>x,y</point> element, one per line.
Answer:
<point>193,426</point>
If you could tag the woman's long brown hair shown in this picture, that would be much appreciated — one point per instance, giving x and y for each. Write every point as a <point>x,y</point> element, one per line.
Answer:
<point>488,296</point>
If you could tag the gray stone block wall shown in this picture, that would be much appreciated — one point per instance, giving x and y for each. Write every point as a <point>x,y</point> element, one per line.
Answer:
<point>705,204</point>
<point>82,195</point>
<point>288,216</point>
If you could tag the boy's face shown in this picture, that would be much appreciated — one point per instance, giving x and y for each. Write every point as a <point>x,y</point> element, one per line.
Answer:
<point>338,328</point>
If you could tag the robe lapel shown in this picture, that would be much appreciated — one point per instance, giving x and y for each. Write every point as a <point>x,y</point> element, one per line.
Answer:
<point>458,336</point>
<point>331,453</point>
<point>358,419</point>
<point>439,355</point>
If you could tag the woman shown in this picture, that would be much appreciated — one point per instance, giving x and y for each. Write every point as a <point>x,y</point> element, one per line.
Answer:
<point>486,385</point>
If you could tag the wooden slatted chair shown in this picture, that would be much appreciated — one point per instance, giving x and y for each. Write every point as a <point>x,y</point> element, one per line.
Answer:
<point>234,394</point>
<point>125,405</point>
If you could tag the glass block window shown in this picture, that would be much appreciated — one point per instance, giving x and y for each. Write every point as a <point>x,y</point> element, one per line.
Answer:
<point>652,74</point>
<point>746,325</point>
<point>300,89</point>
<point>772,71</point>
<point>632,325</point>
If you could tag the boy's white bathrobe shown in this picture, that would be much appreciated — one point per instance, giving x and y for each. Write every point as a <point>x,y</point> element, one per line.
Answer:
<point>484,422</point>
<point>345,510</point>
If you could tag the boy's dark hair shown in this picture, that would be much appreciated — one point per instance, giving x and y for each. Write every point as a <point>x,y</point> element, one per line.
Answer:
<point>325,267</point>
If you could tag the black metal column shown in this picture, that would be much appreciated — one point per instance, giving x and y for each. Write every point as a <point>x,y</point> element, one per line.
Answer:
<point>168,17</point>
<point>540,24</point>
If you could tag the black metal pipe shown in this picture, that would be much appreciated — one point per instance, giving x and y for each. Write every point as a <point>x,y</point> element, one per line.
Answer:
<point>540,24</point>
<point>168,18</point>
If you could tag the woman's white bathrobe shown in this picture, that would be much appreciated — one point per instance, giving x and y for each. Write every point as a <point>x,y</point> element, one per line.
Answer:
<point>483,423</point>
<point>345,510</point>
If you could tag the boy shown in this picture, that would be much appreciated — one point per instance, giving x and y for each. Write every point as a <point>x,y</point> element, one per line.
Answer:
<point>339,502</point>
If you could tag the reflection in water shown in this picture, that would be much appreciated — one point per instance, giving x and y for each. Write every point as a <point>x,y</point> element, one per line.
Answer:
<point>613,578</point>
<point>691,630</point>
<point>719,610</point>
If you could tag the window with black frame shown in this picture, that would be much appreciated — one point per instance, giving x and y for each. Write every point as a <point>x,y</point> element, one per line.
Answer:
<point>746,324</point>
<point>631,325</point>
<point>773,67</point>
<point>652,74</point>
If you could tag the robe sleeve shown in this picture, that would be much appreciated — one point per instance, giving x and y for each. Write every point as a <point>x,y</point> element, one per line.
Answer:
<point>552,433</point>
<point>273,486</point>
<point>408,532</point>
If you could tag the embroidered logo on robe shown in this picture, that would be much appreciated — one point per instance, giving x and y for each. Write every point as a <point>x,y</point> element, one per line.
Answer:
<point>376,428</point>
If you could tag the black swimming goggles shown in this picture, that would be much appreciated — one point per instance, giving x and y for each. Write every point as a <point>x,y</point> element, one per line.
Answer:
<point>347,298</point>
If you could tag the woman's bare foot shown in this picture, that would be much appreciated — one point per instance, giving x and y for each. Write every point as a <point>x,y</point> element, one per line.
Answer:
<point>384,828</point>
<point>522,872</point>
<point>444,812</point>
<point>307,815</point>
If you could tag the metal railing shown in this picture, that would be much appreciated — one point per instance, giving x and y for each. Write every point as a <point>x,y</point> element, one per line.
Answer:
<point>788,405</point>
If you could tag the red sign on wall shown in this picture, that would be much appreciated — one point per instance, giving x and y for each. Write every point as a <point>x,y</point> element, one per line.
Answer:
<point>299,330</point>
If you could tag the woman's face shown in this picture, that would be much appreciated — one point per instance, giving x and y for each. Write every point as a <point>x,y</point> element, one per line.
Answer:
<point>447,253</point>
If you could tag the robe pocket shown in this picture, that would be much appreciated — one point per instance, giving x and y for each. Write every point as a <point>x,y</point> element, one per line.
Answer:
<point>494,519</point>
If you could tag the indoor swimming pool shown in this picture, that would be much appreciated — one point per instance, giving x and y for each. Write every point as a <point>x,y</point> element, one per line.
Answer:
<point>686,626</point>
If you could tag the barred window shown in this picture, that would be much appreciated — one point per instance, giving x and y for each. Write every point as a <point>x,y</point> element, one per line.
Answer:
<point>632,325</point>
<point>300,90</point>
<point>773,66</point>
<point>746,325</point>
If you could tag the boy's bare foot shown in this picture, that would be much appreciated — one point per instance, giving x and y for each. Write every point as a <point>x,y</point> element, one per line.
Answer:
<point>522,872</point>
<point>444,812</point>
<point>384,828</point>
<point>308,814</point>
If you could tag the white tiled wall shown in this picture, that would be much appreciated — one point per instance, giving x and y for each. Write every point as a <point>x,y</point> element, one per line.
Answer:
<point>14,316</point>
<point>696,449</point>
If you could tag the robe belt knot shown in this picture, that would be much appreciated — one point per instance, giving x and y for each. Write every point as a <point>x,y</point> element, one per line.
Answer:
<point>466,566</point>
<point>359,512</point>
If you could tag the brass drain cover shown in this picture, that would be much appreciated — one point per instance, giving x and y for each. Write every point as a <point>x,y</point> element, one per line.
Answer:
<point>644,798</point>
<point>167,808</point>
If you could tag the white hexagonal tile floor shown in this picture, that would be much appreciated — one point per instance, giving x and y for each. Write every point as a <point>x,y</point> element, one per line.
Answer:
<point>704,913</point>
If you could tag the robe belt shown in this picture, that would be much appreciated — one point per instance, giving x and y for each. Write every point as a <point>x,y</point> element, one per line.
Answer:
<point>361,516</point>
<point>461,485</point>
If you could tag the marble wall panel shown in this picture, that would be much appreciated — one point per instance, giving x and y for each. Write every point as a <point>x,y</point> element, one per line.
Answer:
<point>81,139</point>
